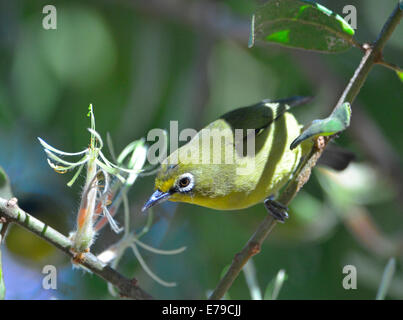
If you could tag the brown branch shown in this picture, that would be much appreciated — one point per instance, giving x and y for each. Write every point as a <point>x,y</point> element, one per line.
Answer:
<point>371,56</point>
<point>389,65</point>
<point>363,129</point>
<point>10,211</point>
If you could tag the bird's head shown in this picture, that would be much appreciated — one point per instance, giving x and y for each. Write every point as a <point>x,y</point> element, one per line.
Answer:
<point>175,183</point>
<point>184,176</point>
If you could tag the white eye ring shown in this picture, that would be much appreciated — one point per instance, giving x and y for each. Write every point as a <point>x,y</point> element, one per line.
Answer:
<point>185,182</point>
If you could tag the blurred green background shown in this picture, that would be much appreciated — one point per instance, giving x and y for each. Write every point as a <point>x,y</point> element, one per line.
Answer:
<point>144,63</point>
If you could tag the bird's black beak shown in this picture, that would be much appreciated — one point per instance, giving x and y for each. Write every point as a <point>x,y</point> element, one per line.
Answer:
<point>157,197</point>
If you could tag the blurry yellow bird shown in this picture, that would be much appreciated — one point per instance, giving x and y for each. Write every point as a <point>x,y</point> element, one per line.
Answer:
<point>223,185</point>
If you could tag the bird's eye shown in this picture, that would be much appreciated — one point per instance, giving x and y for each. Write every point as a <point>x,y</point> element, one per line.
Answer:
<point>184,182</point>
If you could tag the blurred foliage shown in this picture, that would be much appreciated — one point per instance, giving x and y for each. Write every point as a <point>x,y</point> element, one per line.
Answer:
<point>141,68</point>
<point>5,192</point>
<point>386,279</point>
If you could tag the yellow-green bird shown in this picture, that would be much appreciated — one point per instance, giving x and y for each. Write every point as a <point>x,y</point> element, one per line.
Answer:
<point>239,179</point>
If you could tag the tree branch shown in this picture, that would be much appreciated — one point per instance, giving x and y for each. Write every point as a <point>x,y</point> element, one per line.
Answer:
<point>371,56</point>
<point>127,287</point>
<point>389,65</point>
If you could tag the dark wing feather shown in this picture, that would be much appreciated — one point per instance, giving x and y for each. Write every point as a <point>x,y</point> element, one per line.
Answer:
<point>336,157</point>
<point>261,114</point>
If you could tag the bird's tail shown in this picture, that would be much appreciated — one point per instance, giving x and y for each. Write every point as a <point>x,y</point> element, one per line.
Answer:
<point>293,101</point>
<point>336,157</point>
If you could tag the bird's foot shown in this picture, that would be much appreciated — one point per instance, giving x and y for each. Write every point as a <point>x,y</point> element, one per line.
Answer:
<point>276,209</point>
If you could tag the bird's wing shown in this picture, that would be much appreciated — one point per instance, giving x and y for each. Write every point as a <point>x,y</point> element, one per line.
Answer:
<point>260,115</point>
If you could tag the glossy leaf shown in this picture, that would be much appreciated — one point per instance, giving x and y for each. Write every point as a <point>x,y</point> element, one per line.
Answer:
<point>338,121</point>
<point>301,24</point>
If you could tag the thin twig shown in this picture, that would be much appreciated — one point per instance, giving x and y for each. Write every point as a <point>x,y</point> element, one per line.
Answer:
<point>349,94</point>
<point>364,130</point>
<point>389,65</point>
<point>357,44</point>
<point>127,287</point>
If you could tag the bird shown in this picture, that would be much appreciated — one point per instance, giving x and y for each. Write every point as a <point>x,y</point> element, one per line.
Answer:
<point>238,179</point>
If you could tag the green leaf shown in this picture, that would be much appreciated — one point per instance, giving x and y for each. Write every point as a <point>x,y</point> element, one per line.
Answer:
<point>273,288</point>
<point>338,121</point>
<point>301,24</point>
<point>5,189</point>
<point>400,75</point>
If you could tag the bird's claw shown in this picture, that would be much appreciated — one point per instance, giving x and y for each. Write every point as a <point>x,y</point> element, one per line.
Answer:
<point>276,209</point>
